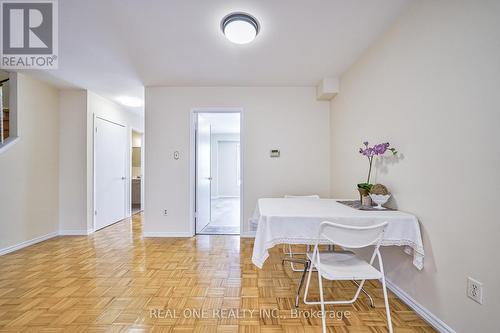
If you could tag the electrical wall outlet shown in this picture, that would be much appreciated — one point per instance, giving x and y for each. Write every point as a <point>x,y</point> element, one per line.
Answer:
<point>165,212</point>
<point>475,290</point>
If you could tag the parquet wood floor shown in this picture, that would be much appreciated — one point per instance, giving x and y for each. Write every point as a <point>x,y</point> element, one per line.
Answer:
<point>114,280</point>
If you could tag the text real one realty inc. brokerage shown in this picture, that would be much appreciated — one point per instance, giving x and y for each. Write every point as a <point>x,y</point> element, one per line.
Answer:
<point>244,313</point>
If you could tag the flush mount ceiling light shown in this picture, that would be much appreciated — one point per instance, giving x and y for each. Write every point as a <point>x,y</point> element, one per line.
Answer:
<point>240,28</point>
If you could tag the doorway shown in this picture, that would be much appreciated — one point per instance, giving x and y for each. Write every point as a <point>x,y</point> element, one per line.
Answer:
<point>110,172</point>
<point>218,177</point>
<point>137,172</point>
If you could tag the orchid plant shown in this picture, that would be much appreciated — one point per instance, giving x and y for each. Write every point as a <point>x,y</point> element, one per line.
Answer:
<point>370,153</point>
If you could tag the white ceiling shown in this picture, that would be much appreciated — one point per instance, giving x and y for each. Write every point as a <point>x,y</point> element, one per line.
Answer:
<point>223,123</point>
<point>116,47</point>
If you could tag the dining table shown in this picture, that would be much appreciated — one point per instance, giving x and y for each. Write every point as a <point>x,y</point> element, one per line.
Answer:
<point>297,221</point>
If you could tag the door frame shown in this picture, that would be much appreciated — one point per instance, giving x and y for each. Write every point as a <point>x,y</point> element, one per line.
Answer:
<point>94,171</point>
<point>141,132</point>
<point>192,161</point>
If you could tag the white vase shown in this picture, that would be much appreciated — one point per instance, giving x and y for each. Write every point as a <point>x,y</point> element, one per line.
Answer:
<point>380,200</point>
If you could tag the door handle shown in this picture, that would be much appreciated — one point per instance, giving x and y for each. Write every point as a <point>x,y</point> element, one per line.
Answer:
<point>209,178</point>
<point>123,178</point>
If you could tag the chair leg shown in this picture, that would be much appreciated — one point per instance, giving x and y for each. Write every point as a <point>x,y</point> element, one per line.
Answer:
<point>386,301</point>
<point>322,302</point>
<point>306,266</point>
<point>360,286</point>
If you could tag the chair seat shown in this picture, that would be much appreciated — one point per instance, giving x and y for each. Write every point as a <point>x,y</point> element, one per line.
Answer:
<point>345,265</point>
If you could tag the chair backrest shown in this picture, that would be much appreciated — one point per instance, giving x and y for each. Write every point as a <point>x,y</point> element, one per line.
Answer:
<point>315,196</point>
<point>353,237</point>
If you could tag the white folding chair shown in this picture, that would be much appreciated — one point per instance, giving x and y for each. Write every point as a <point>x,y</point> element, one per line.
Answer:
<point>342,266</point>
<point>287,248</point>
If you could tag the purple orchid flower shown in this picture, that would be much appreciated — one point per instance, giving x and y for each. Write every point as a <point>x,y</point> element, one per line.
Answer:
<point>370,152</point>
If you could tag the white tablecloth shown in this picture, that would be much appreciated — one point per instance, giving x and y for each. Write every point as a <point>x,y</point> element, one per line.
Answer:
<point>297,220</point>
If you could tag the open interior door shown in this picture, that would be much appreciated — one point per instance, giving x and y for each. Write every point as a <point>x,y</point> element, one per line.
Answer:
<point>203,173</point>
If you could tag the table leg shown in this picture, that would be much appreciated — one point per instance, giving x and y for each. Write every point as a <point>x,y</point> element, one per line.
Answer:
<point>306,264</point>
<point>297,297</point>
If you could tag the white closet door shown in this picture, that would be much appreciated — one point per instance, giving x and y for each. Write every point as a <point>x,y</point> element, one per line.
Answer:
<point>110,170</point>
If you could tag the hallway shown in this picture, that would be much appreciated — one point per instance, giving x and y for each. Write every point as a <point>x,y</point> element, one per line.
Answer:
<point>225,217</point>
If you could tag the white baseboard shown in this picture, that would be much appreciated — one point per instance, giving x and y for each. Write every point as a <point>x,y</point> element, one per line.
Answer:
<point>27,243</point>
<point>428,316</point>
<point>167,234</point>
<point>248,234</point>
<point>77,232</point>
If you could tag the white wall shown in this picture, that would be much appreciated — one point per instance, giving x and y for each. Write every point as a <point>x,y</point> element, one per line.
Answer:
<point>73,161</point>
<point>29,168</point>
<point>430,87</point>
<point>274,117</point>
<point>137,139</point>
<point>77,111</point>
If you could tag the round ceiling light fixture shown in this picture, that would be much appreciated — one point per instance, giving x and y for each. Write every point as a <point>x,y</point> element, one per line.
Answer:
<point>240,28</point>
